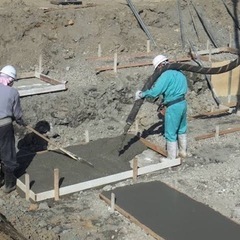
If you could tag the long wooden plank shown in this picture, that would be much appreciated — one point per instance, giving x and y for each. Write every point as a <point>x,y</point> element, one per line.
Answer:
<point>219,50</point>
<point>131,218</point>
<point>48,79</point>
<point>46,89</point>
<point>210,135</point>
<point>133,55</point>
<point>208,114</point>
<point>106,68</point>
<point>26,75</point>
<point>103,180</point>
<point>154,147</point>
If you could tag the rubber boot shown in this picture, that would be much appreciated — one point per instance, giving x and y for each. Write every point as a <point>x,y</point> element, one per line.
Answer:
<point>10,182</point>
<point>171,150</point>
<point>182,144</point>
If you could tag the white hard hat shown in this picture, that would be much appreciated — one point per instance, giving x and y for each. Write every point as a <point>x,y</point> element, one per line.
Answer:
<point>159,59</point>
<point>9,71</point>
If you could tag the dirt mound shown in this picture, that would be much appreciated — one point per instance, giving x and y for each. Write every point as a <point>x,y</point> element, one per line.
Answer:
<point>66,37</point>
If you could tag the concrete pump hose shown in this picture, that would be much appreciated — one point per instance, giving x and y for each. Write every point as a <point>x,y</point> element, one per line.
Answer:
<point>176,66</point>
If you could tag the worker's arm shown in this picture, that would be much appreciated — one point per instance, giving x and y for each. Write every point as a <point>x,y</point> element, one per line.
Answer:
<point>158,88</point>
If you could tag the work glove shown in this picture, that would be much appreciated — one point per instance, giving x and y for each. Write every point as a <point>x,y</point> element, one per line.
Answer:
<point>21,122</point>
<point>138,95</point>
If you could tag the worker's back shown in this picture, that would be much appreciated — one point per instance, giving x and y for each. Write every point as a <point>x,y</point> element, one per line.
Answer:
<point>9,103</point>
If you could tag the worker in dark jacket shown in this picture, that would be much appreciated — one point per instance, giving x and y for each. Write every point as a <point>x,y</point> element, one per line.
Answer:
<point>10,110</point>
<point>172,85</point>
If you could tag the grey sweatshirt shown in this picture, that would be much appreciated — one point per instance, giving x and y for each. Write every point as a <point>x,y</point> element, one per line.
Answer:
<point>10,103</point>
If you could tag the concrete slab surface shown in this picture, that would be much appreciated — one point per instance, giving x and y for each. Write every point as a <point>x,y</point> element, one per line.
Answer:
<point>172,215</point>
<point>103,154</point>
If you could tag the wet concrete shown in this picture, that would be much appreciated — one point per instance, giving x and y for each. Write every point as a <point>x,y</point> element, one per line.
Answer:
<point>173,215</point>
<point>103,154</point>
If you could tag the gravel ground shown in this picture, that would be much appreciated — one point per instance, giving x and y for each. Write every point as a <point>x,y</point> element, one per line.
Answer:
<point>100,103</point>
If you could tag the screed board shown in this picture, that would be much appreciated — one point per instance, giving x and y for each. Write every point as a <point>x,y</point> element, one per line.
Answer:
<point>168,214</point>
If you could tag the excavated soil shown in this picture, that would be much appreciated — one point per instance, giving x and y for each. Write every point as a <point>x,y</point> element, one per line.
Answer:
<point>67,38</point>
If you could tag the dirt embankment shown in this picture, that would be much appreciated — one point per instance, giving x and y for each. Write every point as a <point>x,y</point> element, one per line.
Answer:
<point>100,103</point>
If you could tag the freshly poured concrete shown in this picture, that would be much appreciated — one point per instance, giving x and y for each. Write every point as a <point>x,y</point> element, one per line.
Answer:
<point>103,154</point>
<point>173,215</point>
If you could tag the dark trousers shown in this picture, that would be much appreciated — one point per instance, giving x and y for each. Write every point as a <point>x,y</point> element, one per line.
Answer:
<point>7,148</point>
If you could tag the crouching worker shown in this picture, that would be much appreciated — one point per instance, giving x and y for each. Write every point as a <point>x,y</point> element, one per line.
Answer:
<point>10,110</point>
<point>172,85</point>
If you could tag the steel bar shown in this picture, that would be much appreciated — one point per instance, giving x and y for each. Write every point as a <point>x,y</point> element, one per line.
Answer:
<point>140,21</point>
<point>204,24</point>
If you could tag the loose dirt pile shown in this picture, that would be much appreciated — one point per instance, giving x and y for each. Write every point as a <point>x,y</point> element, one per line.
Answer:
<point>66,37</point>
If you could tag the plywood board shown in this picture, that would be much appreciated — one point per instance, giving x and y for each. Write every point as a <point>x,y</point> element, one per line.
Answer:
<point>227,83</point>
<point>35,83</point>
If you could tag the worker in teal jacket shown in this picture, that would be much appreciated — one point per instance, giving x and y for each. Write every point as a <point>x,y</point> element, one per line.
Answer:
<point>172,85</point>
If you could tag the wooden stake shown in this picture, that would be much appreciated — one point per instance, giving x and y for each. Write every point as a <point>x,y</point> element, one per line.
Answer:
<point>56,184</point>
<point>230,37</point>
<point>40,64</point>
<point>99,50</point>
<point>27,184</point>
<point>217,133</point>
<point>86,136</point>
<point>112,202</point>
<point>208,44</point>
<point>115,63</point>
<point>148,46</point>
<point>135,169</point>
<point>229,86</point>
<point>210,54</point>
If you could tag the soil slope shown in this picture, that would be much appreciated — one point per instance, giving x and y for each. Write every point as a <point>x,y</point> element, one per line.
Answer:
<point>67,38</point>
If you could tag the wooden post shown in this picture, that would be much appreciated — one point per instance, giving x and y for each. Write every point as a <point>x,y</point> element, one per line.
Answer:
<point>229,85</point>
<point>56,184</point>
<point>40,64</point>
<point>148,46</point>
<point>115,63</point>
<point>208,44</point>
<point>217,133</point>
<point>112,202</point>
<point>230,37</point>
<point>135,169</point>
<point>27,184</point>
<point>99,50</point>
<point>86,136</point>
<point>210,54</point>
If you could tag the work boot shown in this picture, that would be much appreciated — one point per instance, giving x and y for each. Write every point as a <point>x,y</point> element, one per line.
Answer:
<point>171,150</point>
<point>10,182</point>
<point>182,144</point>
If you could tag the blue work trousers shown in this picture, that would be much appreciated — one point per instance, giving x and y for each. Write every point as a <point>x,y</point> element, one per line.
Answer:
<point>175,121</point>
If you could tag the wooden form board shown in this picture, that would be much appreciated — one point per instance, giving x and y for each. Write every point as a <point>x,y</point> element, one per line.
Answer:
<point>33,83</point>
<point>132,218</point>
<point>226,84</point>
<point>222,132</point>
<point>97,182</point>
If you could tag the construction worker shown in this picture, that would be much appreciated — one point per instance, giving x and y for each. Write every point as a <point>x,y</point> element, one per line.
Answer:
<point>172,85</point>
<point>10,110</point>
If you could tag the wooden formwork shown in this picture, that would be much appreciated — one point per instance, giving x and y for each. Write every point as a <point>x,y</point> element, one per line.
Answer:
<point>57,191</point>
<point>32,83</point>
